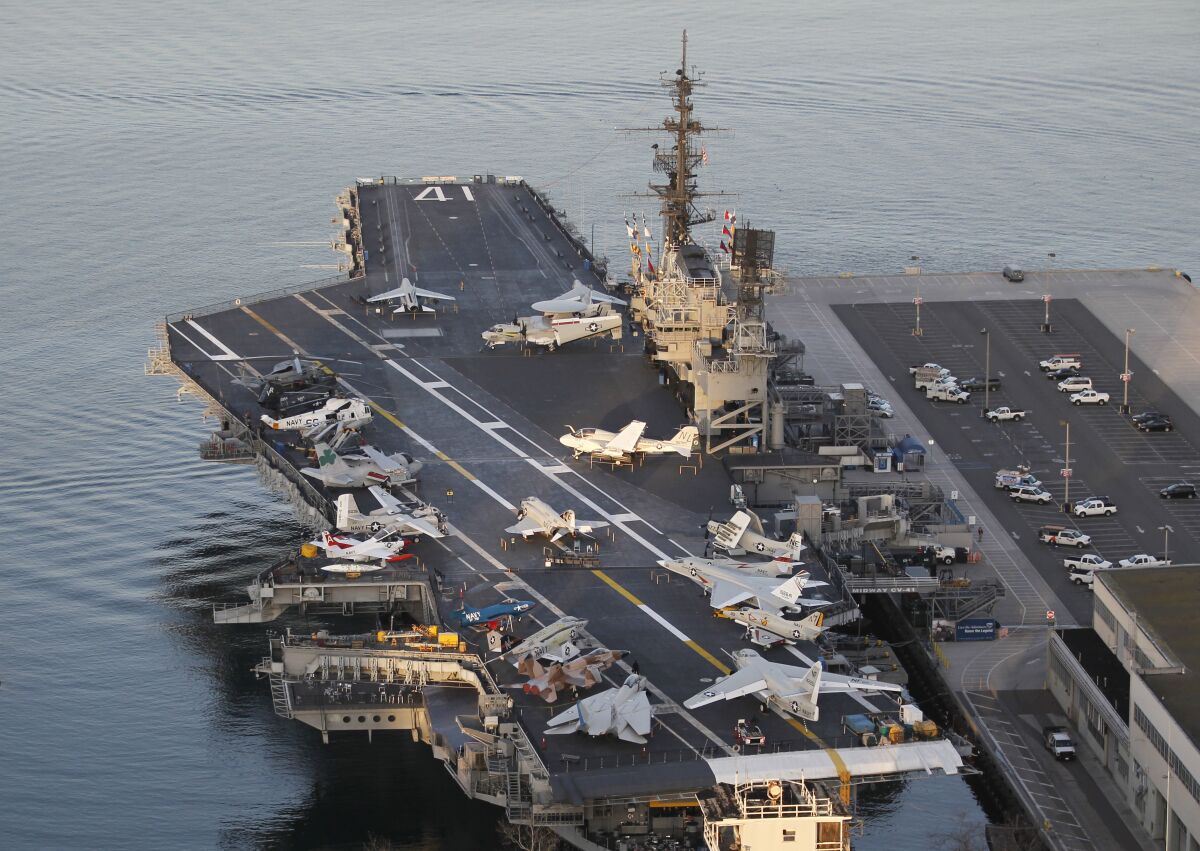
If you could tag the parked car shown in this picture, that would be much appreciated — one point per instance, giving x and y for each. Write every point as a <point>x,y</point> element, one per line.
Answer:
<point>1075,384</point>
<point>1179,490</point>
<point>1150,415</point>
<point>1062,372</point>
<point>1089,397</point>
<point>1063,536</point>
<point>1013,274</point>
<point>1025,493</point>
<point>1160,424</point>
<point>979,384</point>
<point>880,407</point>
<point>1058,742</point>
<point>1094,505</point>
<point>1144,560</point>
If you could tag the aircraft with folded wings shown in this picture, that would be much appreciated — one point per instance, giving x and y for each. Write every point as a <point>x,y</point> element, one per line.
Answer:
<point>744,533</point>
<point>392,516</point>
<point>787,688</point>
<point>535,517</point>
<point>408,297</point>
<point>376,548</point>
<point>557,642</point>
<point>730,583</point>
<point>624,712</point>
<point>628,441</point>
<point>367,466</point>
<point>577,314</point>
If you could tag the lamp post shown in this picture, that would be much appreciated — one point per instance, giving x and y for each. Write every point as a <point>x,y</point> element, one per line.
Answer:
<point>917,332</point>
<point>1066,469</point>
<point>1046,296</point>
<point>1126,375</point>
<point>987,370</point>
<point>1166,530</point>
<point>931,449</point>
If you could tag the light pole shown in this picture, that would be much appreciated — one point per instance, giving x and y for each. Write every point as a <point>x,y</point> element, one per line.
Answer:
<point>987,370</point>
<point>1046,296</point>
<point>931,449</point>
<point>917,332</point>
<point>1166,530</point>
<point>1126,375</point>
<point>1066,469</point>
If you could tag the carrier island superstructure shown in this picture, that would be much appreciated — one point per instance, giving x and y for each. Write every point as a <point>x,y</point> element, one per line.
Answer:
<point>484,424</point>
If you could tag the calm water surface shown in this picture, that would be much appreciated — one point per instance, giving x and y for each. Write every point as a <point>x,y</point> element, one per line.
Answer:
<point>161,155</point>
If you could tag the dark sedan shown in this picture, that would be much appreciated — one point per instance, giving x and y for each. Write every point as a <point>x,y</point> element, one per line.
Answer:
<point>1179,490</point>
<point>977,384</point>
<point>1160,424</point>
<point>1060,374</point>
<point>1150,415</point>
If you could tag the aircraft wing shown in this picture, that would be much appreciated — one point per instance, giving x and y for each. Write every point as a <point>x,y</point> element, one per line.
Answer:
<point>390,294</point>
<point>734,529</point>
<point>589,526</point>
<point>431,294</point>
<point>326,478</point>
<point>745,681</point>
<point>835,682</point>
<point>725,593</point>
<point>385,499</point>
<point>626,439</point>
<point>525,527</point>
<point>383,462</point>
<point>635,717</point>
<point>416,526</point>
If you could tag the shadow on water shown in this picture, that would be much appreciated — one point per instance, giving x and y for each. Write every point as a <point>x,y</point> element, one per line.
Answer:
<point>352,790</point>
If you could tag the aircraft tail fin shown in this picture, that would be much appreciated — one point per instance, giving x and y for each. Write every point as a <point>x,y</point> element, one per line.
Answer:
<point>347,510</point>
<point>803,701</point>
<point>685,440</point>
<point>568,517</point>
<point>791,590</point>
<point>329,460</point>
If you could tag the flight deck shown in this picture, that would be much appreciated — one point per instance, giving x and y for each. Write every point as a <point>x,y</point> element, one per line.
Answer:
<point>485,425</point>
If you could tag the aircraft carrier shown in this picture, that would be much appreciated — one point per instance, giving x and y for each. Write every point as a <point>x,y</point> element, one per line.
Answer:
<point>694,348</point>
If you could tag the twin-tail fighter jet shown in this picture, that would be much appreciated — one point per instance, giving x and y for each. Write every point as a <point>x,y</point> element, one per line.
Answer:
<point>787,688</point>
<point>535,517</point>
<point>744,533</point>
<point>578,313</point>
<point>375,548</point>
<point>490,616</point>
<point>407,297</point>
<point>557,642</point>
<point>393,516</point>
<point>582,672</point>
<point>728,584</point>
<point>624,712</point>
<point>628,441</point>
<point>344,413</point>
<point>368,466</point>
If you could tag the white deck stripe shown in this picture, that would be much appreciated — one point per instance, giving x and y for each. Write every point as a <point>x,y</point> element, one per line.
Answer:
<point>666,624</point>
<point>230,354</point>
<point>479,484</point>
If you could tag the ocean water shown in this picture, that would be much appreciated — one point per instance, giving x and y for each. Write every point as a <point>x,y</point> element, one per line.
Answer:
<point>163,155</point>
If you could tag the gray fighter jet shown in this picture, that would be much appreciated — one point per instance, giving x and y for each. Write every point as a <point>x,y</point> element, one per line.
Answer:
<point>368,466</point>
<point>624,712</point>
<point>535,517</point>
<point>408,297</point>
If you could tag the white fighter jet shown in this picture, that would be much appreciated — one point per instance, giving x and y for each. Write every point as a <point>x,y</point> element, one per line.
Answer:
<point>787,688</point>
<point>535,517</point>
<point>376,548</point>
<point>579,299</point>
<point>729,584</point>
<point>393,516</point>
<point>628,441</point>
<point>557,642</point>
<point>786,625</point>
<point>409,298</point>
<point>350,413</point>
<point>368,466</point>
<point>744,533</point>
<point>625,712</point>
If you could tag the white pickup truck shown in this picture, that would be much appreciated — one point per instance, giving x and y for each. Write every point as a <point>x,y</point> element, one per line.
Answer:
<point>1004,414</point>
<point>1061,362</point>
<point>948,393</point>
<point>1144,560</point>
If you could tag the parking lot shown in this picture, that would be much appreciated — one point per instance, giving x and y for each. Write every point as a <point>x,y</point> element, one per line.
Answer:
<point>1108,454</point>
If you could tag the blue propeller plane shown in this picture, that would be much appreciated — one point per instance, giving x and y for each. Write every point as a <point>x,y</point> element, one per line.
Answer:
<point>467,616</point>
